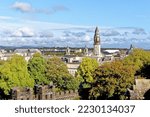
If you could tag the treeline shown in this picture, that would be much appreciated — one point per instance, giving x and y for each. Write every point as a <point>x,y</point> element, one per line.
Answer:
<point>107,81</point>
<point>111,80</point>
<point>16,72</point>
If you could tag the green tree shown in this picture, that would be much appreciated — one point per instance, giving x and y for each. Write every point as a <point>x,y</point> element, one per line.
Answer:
<point>85,76</point>
<point>57,72</point>
<point>2,62</point>
<point>37,69</point>
<point>138,59</point>
<point>145,71</point>
<point>85,71</point>
<point>69,83</point>
<point>111,81</point>
<point>14,73</point>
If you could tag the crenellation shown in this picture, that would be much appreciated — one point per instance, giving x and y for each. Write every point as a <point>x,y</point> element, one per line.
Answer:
<point>44,93</point>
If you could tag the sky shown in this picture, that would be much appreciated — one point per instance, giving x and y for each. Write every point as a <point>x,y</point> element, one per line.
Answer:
<point>72,22</point>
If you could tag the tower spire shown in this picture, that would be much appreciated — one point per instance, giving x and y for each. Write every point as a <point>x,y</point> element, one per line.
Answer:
<point>97,46</point>
<point>96,37</point>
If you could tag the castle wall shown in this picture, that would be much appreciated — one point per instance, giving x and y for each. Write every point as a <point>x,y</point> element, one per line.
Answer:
<point>140,89</point>
<point>42,93</point>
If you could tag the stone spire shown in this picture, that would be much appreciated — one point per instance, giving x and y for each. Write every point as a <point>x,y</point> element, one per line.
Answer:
<point>68,51</point>
<point>96,37</point>
<point>131,49</point>
<point>86,52</point>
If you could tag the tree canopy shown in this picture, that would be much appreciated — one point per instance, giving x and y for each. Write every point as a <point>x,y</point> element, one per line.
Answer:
<point>14,73</point>
<point>85,76</point>
<point>139,60</point>
<point>57,72</point>
<point>85,71</point>
<point>107,81</point>
<point>111,81</point>
<point>37,69</point>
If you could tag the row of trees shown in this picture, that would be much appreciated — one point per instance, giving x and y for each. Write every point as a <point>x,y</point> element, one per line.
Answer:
<point>107,81</point>
<point>111,80</point>
<point>16,72</point>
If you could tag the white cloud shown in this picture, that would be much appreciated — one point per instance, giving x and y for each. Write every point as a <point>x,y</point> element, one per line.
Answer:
<point>26,7</point>
<point>110,32</point>
<point>139,31</point>
<point>34,33</point>
<point>23,32</point>
<point>87,38</point>
<point>23,7</point>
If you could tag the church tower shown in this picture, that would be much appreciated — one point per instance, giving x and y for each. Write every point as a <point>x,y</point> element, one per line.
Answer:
<point>97,46</point>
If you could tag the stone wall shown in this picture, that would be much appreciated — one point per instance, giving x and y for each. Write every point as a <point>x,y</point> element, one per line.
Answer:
<point>140,90</point>
<point>42,93</point>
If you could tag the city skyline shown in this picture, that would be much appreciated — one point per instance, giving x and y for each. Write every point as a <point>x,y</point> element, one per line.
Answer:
<point>72,23</point>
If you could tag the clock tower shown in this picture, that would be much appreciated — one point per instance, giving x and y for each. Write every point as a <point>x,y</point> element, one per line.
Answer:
<point>97,46</point>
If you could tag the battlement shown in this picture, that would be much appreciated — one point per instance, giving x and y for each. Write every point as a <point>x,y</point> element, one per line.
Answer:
<point>42,93</point>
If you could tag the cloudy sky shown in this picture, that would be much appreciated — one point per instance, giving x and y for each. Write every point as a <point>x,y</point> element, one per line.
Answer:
<point>72,22</point>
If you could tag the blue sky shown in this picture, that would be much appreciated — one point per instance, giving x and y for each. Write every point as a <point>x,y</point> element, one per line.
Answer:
<point>118,13</point>
<point>101,13</point>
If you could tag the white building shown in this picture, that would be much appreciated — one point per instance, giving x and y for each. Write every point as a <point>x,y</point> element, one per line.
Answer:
<point>72,68</point>
<point>26,53</point>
